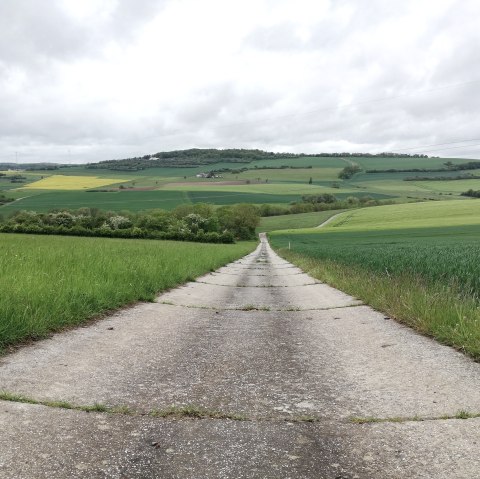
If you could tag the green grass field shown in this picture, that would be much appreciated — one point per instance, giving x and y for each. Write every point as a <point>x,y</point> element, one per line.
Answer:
<point>302,220</point>
<point>256,188</point>
<point>419,262</point>
<point>138,200</point>
<point>407,216</point>
<point>49,283</point>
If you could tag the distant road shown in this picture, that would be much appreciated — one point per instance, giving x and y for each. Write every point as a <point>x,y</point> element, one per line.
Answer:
<point>321,225</point>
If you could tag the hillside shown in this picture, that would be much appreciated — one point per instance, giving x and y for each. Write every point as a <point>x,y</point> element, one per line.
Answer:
<point>198,157</point>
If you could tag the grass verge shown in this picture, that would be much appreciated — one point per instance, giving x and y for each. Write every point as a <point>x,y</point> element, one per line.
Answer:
<point>49,283</point>
<point>437,310</point>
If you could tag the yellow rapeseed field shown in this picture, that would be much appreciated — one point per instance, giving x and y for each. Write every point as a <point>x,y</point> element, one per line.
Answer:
<point>62,182</point>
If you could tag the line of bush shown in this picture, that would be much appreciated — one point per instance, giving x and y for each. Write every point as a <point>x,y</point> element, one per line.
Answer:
<point>471,193</point>
<point>4,200</point>
<point>442,178</point>
<point>322,202</point>
<point>200,223</point>
<point>471,165</point>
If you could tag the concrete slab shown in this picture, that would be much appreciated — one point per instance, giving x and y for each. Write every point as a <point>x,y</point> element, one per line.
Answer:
<point>336,363</point>
<point>312,296</point>
<point>38,442</point>
<point>258,281</point>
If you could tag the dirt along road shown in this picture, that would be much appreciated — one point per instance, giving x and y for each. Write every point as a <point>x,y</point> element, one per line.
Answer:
<point>276,365</point>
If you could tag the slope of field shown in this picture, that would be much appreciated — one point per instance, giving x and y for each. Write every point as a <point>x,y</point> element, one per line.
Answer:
<point>302,220</point>
<point>63,182</point>
<point>384,163</point>
<point>418,262</point>
<point>455,186</point>
<point>412,215</point>
<point>54,282</point>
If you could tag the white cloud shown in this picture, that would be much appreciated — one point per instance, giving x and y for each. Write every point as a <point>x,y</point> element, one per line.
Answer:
<point>113,78</point>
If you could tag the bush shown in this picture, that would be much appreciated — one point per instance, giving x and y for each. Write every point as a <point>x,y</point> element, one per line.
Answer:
<point>201,223</point>
<point>349,171</point>
<point>471,193</point>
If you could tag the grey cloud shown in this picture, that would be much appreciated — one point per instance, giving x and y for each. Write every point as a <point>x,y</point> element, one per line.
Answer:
<point>130,15</point>
<point>342,58</point>
<point>33,32</point>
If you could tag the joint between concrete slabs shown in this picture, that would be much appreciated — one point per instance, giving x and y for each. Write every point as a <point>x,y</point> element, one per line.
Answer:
<point>261,308</point>
<point>194,413</point>
<point>256,287</point>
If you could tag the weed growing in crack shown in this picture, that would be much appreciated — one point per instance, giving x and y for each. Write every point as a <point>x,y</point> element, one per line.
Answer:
<point>195,412</point>
<point>251,307</point>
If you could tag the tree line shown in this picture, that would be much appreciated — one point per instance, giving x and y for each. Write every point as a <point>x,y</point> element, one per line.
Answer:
<point>199,222</point>
<point>449,166</point>
<point>471,193</point>
<point>195,157</point>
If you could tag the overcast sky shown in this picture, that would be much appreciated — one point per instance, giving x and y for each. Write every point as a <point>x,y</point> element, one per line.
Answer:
<point>90,80</point>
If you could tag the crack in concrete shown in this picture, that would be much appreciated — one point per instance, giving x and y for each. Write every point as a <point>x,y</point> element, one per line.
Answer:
<point>261,308</point>
<point>201,413</point>
<point>462,415</point>
<point>241,274</point>
<point>259,286</point>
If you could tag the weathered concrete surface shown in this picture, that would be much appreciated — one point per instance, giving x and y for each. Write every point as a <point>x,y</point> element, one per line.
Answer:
<point>42,443</point>
<point>307,349</point>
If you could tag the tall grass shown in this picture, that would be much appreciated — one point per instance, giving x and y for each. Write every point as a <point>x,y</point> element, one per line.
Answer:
<point>428,278</point>
<point>49,283</point>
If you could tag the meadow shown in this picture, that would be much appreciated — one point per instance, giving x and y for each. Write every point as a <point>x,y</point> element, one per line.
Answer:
<point>419,263</point>
<point>51,283</point>
<point>301,220</point>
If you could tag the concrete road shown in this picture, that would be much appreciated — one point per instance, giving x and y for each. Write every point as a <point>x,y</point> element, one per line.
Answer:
<point>279,366</point>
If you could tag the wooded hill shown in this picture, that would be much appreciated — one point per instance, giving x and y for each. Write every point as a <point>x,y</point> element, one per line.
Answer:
<point>199,157</point>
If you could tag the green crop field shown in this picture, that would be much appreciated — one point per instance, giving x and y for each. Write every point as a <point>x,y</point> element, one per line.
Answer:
<point>231,197</point>
<point>115,201</point>
<point>419,262</point>
<point>49,283</point>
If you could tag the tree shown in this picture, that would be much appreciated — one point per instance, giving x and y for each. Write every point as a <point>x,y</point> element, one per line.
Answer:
<point>310,181</point>
<point>349,171</point>
<point>241,220</point>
